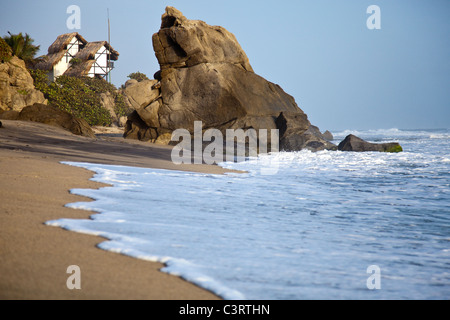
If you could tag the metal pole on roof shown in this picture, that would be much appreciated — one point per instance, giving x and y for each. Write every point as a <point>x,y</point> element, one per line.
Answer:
<point>109,55</point>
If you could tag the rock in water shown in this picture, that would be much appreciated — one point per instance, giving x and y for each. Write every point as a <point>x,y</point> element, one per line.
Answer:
<point>353,143</point>
<point>296,133</point>
<point>206,76</point>
<point>327,135</point>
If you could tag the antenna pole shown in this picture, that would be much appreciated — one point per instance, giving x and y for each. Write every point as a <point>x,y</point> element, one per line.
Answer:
<point>109,43</point>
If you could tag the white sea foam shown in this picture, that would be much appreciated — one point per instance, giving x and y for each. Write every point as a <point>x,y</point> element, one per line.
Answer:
<point>308,232</point>
<point>394,134</point>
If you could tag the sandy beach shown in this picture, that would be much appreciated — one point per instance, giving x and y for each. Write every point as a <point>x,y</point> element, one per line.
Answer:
<point>34,187</point>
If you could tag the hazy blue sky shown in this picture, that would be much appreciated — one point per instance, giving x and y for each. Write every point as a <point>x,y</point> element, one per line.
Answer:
<point>343,75</point>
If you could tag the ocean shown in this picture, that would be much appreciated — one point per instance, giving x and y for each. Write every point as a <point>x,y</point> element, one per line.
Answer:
<point>298,225</point>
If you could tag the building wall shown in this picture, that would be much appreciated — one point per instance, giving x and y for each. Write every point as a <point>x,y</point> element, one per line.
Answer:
<point>64,63</point>
<point>60,68</point>
<point>100,67</point>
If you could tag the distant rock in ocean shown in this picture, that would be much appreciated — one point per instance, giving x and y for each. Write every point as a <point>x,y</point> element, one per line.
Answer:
<point>353,143</point>
<point>206,76</point>
<point>327,135</point>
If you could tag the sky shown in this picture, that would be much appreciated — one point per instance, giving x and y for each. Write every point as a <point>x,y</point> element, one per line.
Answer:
<point>342,74</point>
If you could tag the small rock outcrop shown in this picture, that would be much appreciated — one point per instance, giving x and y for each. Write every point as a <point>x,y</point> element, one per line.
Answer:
<point>353,143</point>
<point>296,133</point>
<point>206,76</point>
<point>108,103</point>
<point>327,135</point>
<point>16,86</point>
<point>53,116</point>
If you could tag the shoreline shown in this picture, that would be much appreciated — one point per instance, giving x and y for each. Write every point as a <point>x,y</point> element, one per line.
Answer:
<point>35,187</point>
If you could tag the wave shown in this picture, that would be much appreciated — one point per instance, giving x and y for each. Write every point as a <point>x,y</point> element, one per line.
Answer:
<point>440,136</point>
<point>313,216</point>
<point>395,134</point>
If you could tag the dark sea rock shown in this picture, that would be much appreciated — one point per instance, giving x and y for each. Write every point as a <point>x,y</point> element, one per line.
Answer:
<point>296,133</point>
<point>353,143</point>
<point>206,76</point>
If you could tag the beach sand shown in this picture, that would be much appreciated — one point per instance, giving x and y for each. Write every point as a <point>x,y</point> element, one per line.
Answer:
<point>34,187</point>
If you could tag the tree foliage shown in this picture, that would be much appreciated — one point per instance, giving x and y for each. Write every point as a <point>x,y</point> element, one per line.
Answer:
<point>5,51</point>
<point>22,47</point>
<point>139,76</point>
<point>80,96</point>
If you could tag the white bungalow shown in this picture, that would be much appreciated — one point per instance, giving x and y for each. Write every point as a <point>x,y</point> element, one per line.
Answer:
<point>72,55</point>
<point>94,60</point>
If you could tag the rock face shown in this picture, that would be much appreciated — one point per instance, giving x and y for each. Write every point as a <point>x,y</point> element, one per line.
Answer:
<point>51,115</point>
<point>327,135</point>
<point>16,86</point>
<point>108,103</point>
<point>206,76</point>
<point>353,143</point>
<point>140,94</point>
<point>297,134</point>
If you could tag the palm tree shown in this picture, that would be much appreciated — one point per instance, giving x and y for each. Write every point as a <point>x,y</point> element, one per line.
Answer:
<point>22,47</point>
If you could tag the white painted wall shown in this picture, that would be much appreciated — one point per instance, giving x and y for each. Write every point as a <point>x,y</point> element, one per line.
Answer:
<point>64,63</point>
<point>101,61</point>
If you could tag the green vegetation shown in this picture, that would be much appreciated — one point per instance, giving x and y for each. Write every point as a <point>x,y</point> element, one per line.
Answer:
<point>22,47</point>
<point>74,61</point>
<point>5,51</point>
<point>138,76</point>
<point>22,92</point>
<point>395,149</point>
<point>80,96</point>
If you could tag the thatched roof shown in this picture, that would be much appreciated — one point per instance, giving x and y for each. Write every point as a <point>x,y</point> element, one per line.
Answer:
<point>49,61</point>
<point>86,56</point>
<point>92,48</point>
<point>63,41</point>
<point>80,69</point>
<point>57,50</point>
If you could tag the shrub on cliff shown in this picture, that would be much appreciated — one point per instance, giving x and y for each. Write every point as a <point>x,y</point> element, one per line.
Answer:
<point>138,76</point>
<point>80,96</point>
<point>5,51</point>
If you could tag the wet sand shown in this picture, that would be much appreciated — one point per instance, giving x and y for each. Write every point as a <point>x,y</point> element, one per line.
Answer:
<point>34,187</point>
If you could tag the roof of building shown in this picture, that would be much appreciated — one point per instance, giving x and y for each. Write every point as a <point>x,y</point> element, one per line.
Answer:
<point>80,69</point>
<point>86,56</point>
<point>91,48</point>
<point>57,50</point>
<point>63,40</point>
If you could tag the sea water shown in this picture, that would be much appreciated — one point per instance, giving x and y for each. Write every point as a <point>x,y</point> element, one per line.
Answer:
<point>313,227</point>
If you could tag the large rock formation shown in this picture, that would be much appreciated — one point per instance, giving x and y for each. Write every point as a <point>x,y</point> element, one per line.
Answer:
<point>356,144</point>
<point>16,86</point>
<point>206,76</point>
